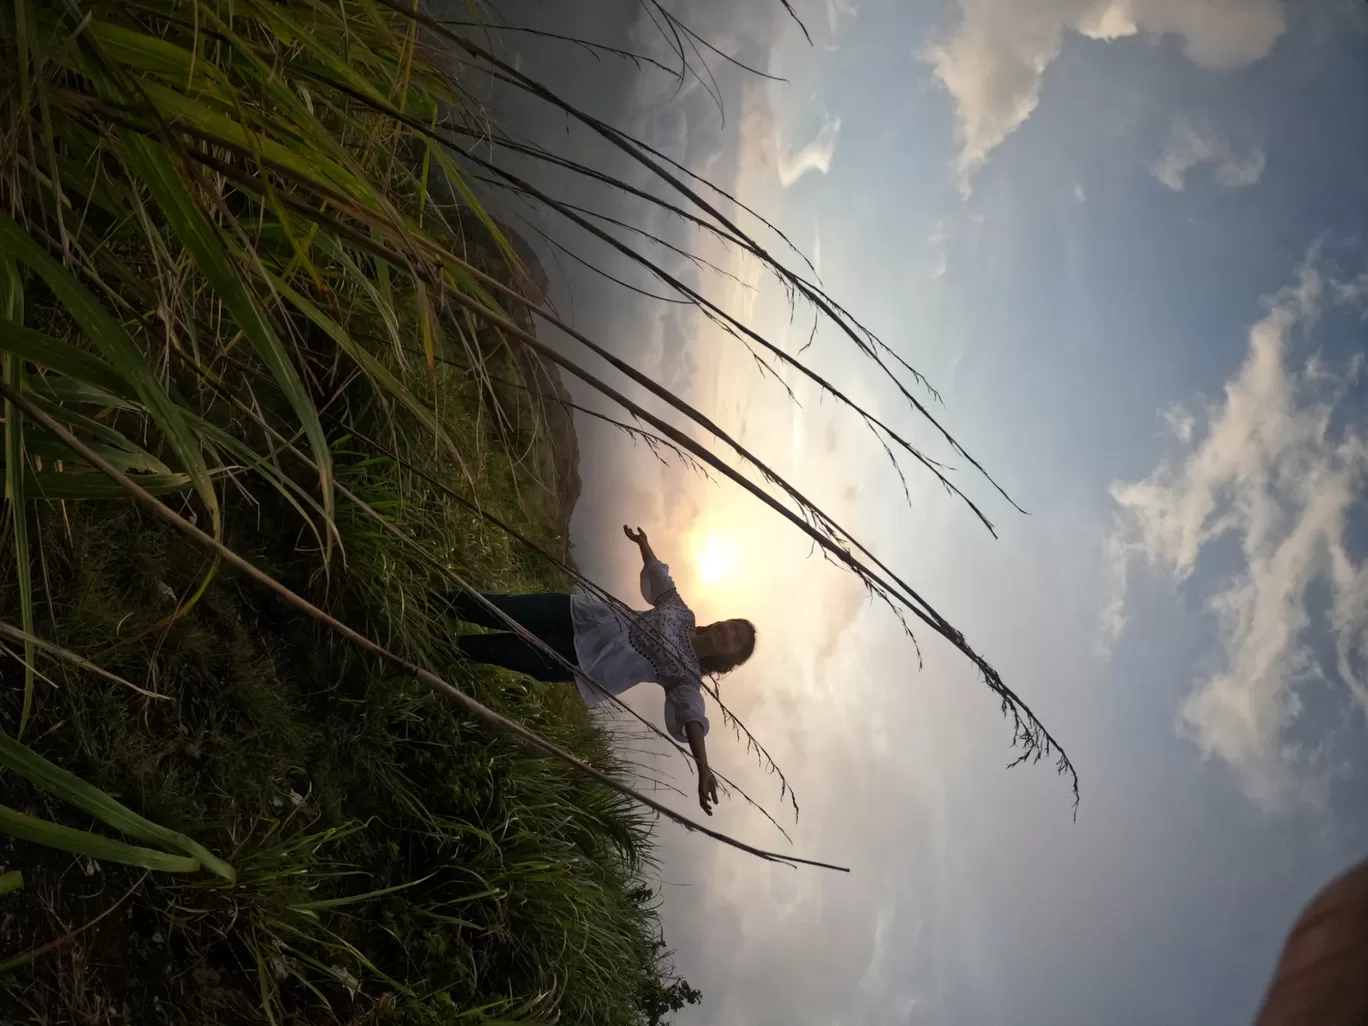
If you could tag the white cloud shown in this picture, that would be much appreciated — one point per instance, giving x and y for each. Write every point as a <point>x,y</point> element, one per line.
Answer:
<point>1265,468</point>
<point>993,65</point>
<point>1241,171</point>
<point>839,14</point>
<point>1354,292</point>
<point>1187,148</point>
<point>1078,194</point>
<point>1179,420</point>
<point>937,238</point>
<point>815,156</point>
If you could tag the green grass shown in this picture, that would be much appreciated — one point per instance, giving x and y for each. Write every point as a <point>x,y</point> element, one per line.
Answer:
<point>506,883</point>
<point>217,230</point>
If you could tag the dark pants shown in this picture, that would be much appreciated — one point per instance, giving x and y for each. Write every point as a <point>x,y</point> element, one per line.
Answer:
<point>547,616</point>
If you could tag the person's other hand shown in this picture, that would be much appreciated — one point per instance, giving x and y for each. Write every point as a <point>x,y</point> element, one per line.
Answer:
<point>707,789</point>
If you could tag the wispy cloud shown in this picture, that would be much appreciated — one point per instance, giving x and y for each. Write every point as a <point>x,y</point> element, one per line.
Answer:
<point>815,156</point>
<point>1269,468</point>
<point>937,238</point>
<point>1188,148</point>
<point>839,14</point>
<point>994,63</point>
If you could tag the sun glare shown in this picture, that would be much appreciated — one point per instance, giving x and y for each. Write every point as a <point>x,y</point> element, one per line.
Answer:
<point>716,556</point>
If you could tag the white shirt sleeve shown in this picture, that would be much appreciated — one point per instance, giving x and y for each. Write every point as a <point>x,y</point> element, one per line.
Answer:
<point>656,582</point>
<point>684,704</point>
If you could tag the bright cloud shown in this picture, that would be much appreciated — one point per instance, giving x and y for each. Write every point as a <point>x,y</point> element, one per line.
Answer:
<point>815,156</point>
<point>993,65</point>
<point>1267,468</point>
<point>1188,148</point>
<point>937,239</point>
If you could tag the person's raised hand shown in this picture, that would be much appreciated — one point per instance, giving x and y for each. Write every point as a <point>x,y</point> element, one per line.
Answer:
<point>707,789</point>
<point>638,536</point>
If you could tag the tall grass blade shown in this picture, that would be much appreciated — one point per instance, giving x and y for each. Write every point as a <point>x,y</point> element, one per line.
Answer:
<point>55,354</point>
<point>199,237</point>
<point>355,899</point>
<point>95,846</point>
<point>57,486</point>
<point>76,792</point>
<point>67,656</point>
<point>15,487</point>
<point>118,347</point>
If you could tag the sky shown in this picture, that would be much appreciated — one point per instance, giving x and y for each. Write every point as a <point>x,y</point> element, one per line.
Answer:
<point>1124,241</point>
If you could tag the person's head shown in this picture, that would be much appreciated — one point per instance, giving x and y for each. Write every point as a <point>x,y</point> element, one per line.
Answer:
<point>724,645</point>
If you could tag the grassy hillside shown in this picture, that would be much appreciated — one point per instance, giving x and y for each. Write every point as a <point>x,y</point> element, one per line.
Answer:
<point>221,269</point>
<point>319,774</point>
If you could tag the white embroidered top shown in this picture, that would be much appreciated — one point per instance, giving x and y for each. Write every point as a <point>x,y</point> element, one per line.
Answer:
<point>620,651</point>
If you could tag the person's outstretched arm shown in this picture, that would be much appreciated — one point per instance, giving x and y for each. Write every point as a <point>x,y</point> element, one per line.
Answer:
<point>686,718</point>
<point>656,583</point>
<point>707,783</point>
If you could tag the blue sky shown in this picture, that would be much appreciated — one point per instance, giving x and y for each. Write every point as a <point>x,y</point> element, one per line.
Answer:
<point>1142,301</point>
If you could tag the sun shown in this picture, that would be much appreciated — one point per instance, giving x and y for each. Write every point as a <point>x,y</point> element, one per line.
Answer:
<point>716,556</point>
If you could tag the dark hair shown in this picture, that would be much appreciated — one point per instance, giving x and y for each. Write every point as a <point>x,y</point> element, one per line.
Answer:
<point>726,662</point>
